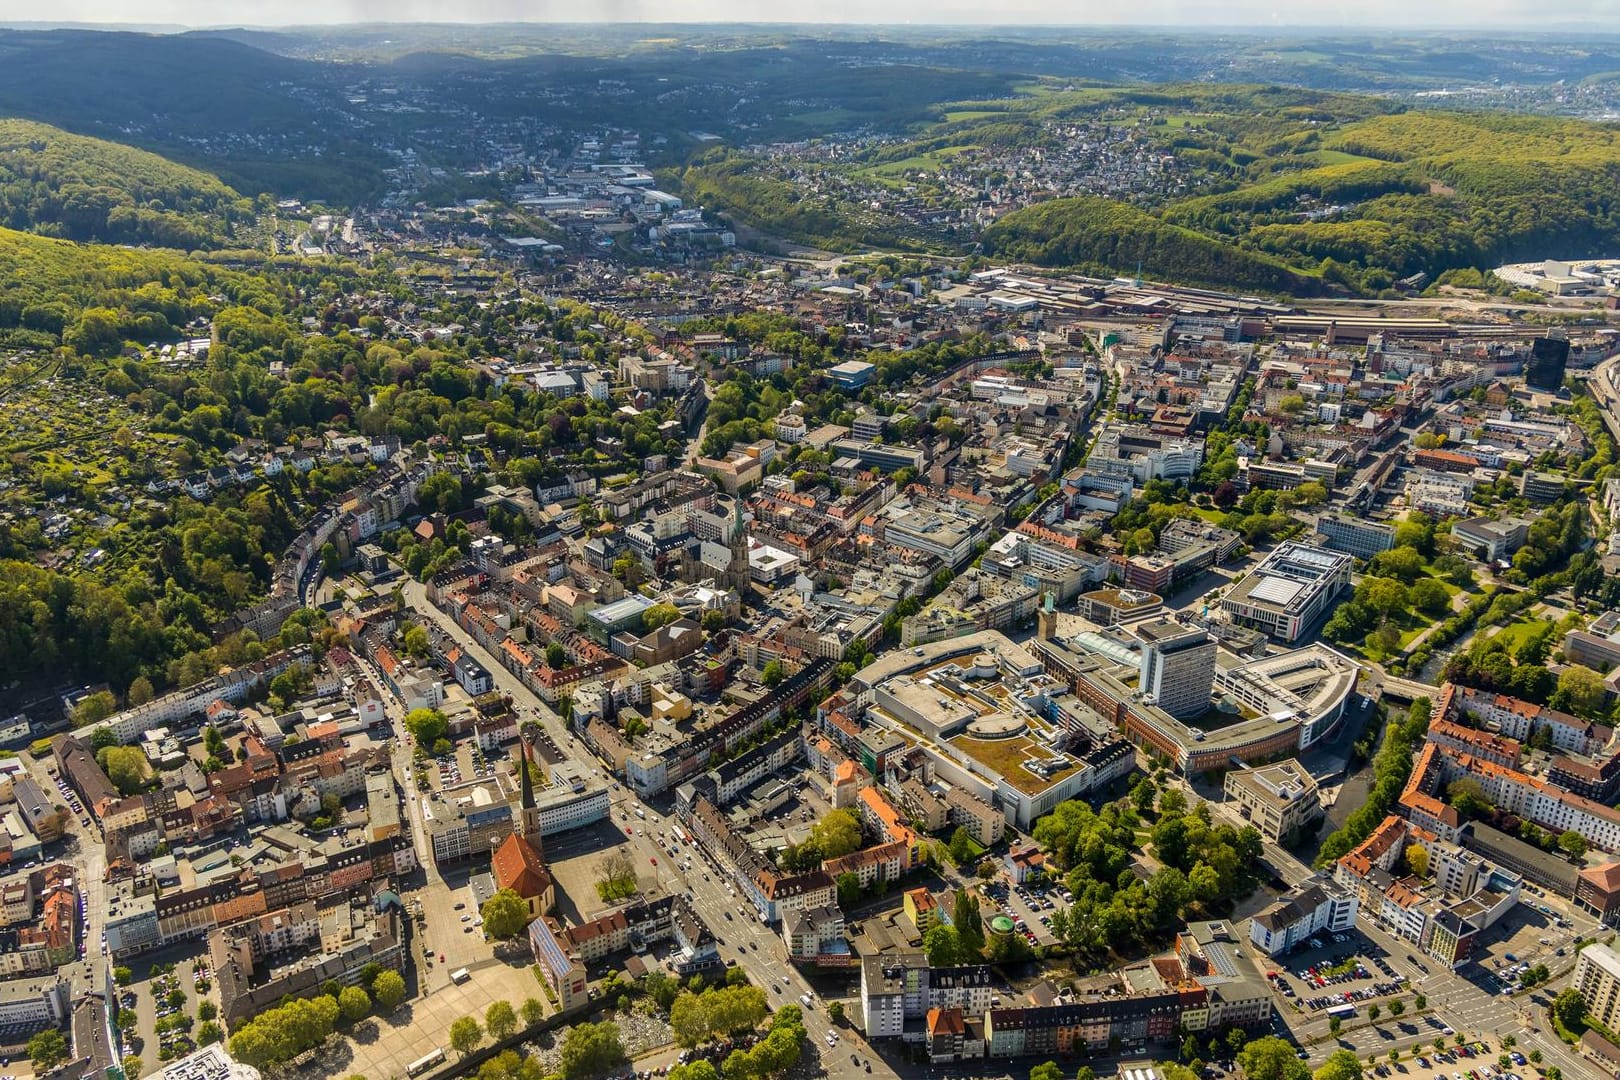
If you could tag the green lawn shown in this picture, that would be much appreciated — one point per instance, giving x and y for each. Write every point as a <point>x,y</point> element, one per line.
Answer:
<point>932,161</point>
<point>1520,631</point>
<point>1338,157</point>
<point>972,114</point>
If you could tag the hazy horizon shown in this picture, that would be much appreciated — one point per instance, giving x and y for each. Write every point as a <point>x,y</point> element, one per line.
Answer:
<point>1371,15</point>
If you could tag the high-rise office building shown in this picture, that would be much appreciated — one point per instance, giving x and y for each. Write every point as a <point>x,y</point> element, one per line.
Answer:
<point>1545,368</point>
<point>1177,667</point>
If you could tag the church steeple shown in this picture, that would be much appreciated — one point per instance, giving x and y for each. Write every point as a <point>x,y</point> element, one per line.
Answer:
<point>525,782</point>
<point>529,813</point>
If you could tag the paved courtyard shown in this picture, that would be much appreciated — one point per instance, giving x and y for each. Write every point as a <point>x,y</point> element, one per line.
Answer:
<point>382,1047</point>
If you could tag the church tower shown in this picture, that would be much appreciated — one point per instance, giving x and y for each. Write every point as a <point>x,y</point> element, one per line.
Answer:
<point>737,576</point>
<point>529,819</point>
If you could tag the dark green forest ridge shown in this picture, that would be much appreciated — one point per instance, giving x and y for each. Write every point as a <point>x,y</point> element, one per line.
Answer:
<point>78,188</point>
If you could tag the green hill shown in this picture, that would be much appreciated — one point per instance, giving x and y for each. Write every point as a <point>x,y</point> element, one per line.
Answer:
<point>97,296</point>
<point>1102,236</point>
<point>59,184</point>
<point>226,107</point>
<point>1428,191</point>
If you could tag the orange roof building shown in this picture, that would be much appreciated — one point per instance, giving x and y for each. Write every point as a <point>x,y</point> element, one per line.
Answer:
<point>518,865</point>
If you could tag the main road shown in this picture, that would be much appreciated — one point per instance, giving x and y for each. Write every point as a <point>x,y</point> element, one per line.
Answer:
<point>741,938</point>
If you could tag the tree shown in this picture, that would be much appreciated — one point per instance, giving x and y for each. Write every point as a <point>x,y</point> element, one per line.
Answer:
<point>1334,1024</point>
<point>849,889</point>
<point>132,1067</point>
<point>1420,1002</point>
<point>961,846</point>
<point>590,1049</point>
<point>701,1069</point>
<point>1340,1065</point>
<point>659,616</point>
<point>1467,797</point>
<point>1143,794</point>
<point>714,621</point>
<point>839,833</point>
<point>1374,1012</point>
<point>835,1011</point>
<point>427,726</point>
<point>1385,595</point>
<point>1430,597</point>
<point>1581,690</point>
<point>772,673</point>
<point>1573,843</point>
<point>389,989</point>
<point>1396,1008</point>
<point>47,1049</point>
<point>556,656</point>
<point>968,922</point>
<point>943,945</point>
<point>354,1003</point>
<point>140,691</point>
<point>1417,860</point>
<point>505,915</point>
<point>94,708</point>
<point>532,1012</point>
<point>1270,1058</point>
<point>1568,1007</point>
<point>126,767</point>
<point>1172,803</point>
<point>122,975</point>
<point>417,642</point>
<point>500,1019</point>
<point>465,1035</point>
<point>616,875</point>
<point>209,1032</point>
<point>1047,1070</point>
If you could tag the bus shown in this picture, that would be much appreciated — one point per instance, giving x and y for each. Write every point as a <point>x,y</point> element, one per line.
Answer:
<point>1344,1011</point>
<point>424,1063</point>
<point>460,975</point>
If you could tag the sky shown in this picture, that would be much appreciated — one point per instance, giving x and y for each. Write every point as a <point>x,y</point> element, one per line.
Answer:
<point>1603,15</point>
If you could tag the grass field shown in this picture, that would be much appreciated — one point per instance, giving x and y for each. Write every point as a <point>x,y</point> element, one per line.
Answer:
<point>1338,157</point>
<point>932,161</point>
<point>1520,631</point>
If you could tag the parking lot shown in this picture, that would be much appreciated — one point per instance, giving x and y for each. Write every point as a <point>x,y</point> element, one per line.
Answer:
<point>166,998</point>
<point>1472,1061</point>
<point>1029,907</point>
<point>1538,933</point>
<point>70,797</point>
<point>1341,969</point>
